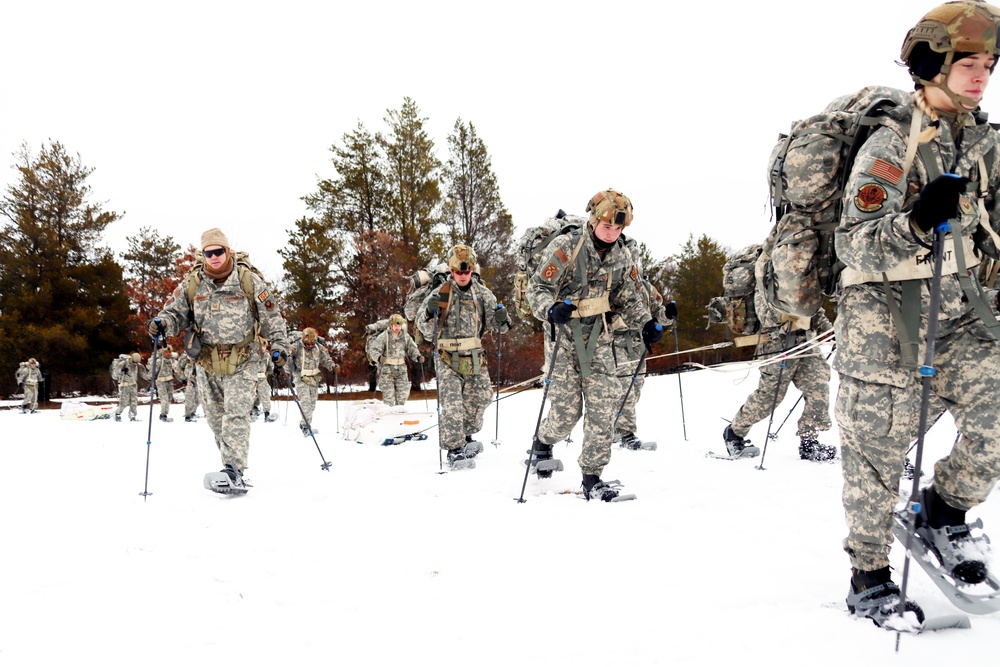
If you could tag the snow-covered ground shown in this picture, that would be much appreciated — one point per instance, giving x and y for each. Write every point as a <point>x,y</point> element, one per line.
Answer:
<point>381,561</point>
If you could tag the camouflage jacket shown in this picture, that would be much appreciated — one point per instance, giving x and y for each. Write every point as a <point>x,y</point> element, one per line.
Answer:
<point>876,235</point>
<point>131,373</point>
<point>469,314</point>
<point>307,362</point>
<point>224,315</point>
<point>615,276</point>
<point>31,376</point>
<point>392,347</point>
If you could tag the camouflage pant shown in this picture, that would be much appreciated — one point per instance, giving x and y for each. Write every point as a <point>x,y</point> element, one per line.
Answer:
<point>128,396</point>
<point>30,396</point>
<point>227,400</point>
<point>263,397</point>
<point>810,375</point>
<point>394,383</point>
<point>307,394</point>
<point>463,400</point>
<point>879,421</point>
<point>626,369</point>
<point>569,389</point>
<point>191,400</point>
<point>165,392</point>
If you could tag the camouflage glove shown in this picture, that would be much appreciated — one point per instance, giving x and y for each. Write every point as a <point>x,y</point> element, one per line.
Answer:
<point>938,201</point>
<point>279,358</point>
<point>561,313</point>
<point>155,328</point>
<point>381,359</point>
<point>652,332</point>
<point>420,359</point>
<point>670,310</point>
<point>500,315</point>
<point>336,368</point>
<point>433,304</point>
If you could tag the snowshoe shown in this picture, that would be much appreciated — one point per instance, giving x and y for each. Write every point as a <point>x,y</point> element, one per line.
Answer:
<point>810,449</point>
<point>255,412</point>
<point>541,459</point>
<point>118,418</point>
<point>165,418</point>
<point>736,447</point>
<point>268,417</point>
<point>630,441</point>
<point>189,418</point>
<point>228,481</point>
<point>305,430</point>
<point>874,596</point>
<point>459,460</point>
<point>596,489</point>
<point>944,530</point>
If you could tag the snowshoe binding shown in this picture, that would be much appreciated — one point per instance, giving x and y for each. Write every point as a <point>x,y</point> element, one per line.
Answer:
<point>943,529</point>
<point>268,417</point>
<point>736,447</point>
<point>874,596</point>
<point>165,418</point>
<point>610,492</point>
<point>460,459</point>
<point>630,441</point>
<point>541,459</point>
<point>228,481</point>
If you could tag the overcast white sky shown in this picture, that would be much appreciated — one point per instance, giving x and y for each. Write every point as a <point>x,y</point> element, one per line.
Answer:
<point>197,114</point>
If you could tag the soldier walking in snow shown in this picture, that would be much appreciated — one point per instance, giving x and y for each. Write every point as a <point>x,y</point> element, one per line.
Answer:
<point>389,350</point>
<point>455,317</point>
<point>166,368</point>
<point>307,359</point>
<point>128,375</point>
<point>29,379</point>
<point>581,276</point>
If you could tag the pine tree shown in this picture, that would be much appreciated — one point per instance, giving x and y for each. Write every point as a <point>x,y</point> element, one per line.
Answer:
<point>151,277</point>
<point>62,296</point>
<point>310,278</point>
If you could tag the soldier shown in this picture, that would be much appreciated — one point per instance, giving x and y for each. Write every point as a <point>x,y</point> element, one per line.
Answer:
<point>389,350</point>
<point>890,214</point>
<point>627,349</point>
<point>455,317</point>
<point>231,307</point>
<point>166,368</point>
<point>582,275</point>
<point>307,359</point>
<point>30,379</point>
<point>810,373</point>
<point>130,371</point>
<point>263,398</point>
<point>186,373</point>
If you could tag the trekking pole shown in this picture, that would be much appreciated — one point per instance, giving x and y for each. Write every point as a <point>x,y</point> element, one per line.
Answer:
<point>777,392</point>
<point>496,432</point>
<point>631,384</point>
<point>680,387</point>
<point>336,394</point>
<point>774,436</point>
<point>538,423</point>
<point>927,373</point>
<point>326,464</point>
<point>423,380</point>
<point>149,432</point>
<point>437,380</point>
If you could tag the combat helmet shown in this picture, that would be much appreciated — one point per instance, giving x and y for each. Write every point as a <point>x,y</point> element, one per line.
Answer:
<point>610,206</point>
<point>462,258</point>
<point>396,318</point>
<point>946,34</point>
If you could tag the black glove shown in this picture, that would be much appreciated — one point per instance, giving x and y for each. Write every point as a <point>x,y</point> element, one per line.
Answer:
<point>561,313</point>
<point>433,304</point>
<point>125,370</point>
<point>21,385</point>
<point>938,201</point>
<point>155,327</point>
<point>670,310</point>
<point>652,332</point>
<point>500,315</point>
<point>279,358</point>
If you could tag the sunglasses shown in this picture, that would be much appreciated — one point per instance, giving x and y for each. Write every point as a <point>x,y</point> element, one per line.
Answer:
<point>462,273</point>
<point>218,252</point>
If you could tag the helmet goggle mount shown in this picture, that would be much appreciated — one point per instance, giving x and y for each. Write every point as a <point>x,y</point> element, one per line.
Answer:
<point>610,206</point>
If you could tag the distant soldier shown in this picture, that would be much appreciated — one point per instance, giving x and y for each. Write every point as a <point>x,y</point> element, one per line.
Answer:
<point>185,369</point>
<point>454,318</point>
<point>307,359</point>
<point>263,399</point>
<point>231,306</point>
<point>166,369</point>
<point>130,371</point>
<point>30,379</point>
<point>389,350</point>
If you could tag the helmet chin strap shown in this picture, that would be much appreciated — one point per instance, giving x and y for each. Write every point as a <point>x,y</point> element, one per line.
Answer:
<point>963,104</point>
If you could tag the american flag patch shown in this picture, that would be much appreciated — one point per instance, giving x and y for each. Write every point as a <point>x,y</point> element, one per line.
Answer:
<point>885,171</point>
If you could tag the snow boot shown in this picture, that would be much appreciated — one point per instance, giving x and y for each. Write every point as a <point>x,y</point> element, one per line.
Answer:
<point>133,419</point>
<point>228,481</point>
<point>541,458</point>
<point>629,441</point>
<point>810,448</point>
<point>189,418</point>
<point>164,418</point>
<point>268,417</point>
<point>255,412</point>
<point>595,489</point>
<point>738,446</point>
<point>873,595</point>
<point>24,409</point>
<point>118,418</point>
<point>459,459</point>
<point>944,530</point>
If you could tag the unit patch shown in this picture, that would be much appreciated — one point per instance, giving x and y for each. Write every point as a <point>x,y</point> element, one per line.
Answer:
<point>870,197</point>
<point>262,297</point>
<point>550,271</point>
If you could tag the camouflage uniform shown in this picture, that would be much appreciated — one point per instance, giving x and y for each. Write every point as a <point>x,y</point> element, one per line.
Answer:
<point>389,351</point>
<point>128,387</point>
<point>228,321</point>
<point>463,379</point>
<point>627,348</point>
<point>166,369</point>
<point>263,398</point>
<point>186,373</point>
<point>574,380</point>
<point>306,363</point>
<point>810,374</point>
<point>878,404</point>
<point>32,377</point>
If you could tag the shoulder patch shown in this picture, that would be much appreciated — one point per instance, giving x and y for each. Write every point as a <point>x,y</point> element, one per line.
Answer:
<point>550,271</point>
<point>561,256</point>
<point>635,273</point>
<point>870,197</point>
<point>886,171</point>
<point>262,297</point>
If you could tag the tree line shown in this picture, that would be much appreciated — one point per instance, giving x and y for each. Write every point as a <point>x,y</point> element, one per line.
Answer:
<point>389,207</point>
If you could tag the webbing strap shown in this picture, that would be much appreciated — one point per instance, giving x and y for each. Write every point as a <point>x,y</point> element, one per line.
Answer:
<point>585,351</point>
